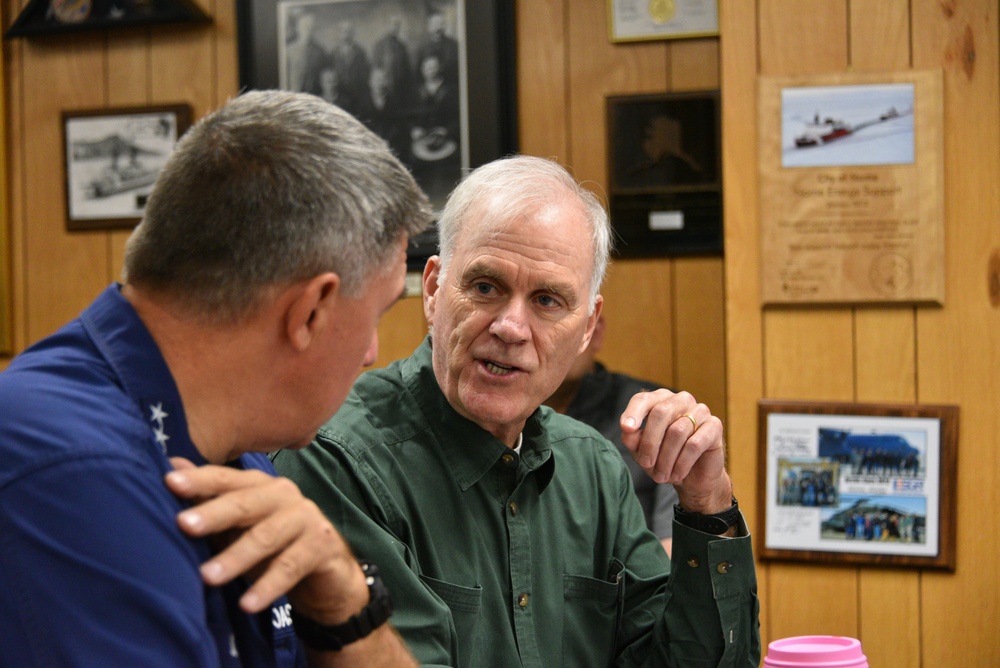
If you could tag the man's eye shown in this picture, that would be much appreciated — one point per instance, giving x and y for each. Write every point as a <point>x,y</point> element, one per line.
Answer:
<point>547,301</point>
<point>483,288</point>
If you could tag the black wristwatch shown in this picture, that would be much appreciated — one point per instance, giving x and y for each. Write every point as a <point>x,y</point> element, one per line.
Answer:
<point>716,524</point>
<point>372,616</point>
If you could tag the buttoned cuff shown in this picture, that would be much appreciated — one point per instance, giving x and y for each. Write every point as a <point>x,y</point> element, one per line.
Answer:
<point>702,563</point>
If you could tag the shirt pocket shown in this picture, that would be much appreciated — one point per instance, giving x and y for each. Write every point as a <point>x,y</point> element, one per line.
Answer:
<point>592,613</point>
<point>466,605</point>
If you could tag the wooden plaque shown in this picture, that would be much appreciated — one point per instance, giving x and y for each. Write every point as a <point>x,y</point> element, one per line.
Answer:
<point>851,177</point>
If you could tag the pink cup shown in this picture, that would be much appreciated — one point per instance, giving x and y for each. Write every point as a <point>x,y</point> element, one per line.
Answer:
<point>815,652</point>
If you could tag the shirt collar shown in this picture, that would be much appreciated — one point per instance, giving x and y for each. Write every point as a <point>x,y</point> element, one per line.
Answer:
<point>469,450</point>
<point>123,340</point>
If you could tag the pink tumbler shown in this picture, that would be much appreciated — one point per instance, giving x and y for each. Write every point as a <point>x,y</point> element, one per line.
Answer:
<point>815,652</point>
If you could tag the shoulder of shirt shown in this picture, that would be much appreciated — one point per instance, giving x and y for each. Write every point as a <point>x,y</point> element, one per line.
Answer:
<point>376,411</point>
<point>48,416</point>
<point>563,430</point>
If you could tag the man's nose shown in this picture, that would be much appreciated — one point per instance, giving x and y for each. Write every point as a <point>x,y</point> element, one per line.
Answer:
<point>511,324</point>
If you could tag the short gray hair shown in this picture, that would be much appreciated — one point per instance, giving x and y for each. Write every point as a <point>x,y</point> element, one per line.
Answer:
<point>493,195</point>
<point>272,188</point>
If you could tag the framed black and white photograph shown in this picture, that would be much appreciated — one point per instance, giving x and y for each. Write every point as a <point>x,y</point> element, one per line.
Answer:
<point>112,159</point>
<point>664,174</point>
<point>865,484</point>
<point>434,79</point>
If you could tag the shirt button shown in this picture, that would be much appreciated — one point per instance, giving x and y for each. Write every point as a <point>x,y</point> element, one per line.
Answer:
<point>513,507</point>
<point>522,600</point>
<point>507,458</point>
<point>693,562</point>
<point>724,567</point>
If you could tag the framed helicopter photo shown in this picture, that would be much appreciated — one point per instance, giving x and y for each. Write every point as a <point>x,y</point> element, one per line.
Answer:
<point>865,484</point>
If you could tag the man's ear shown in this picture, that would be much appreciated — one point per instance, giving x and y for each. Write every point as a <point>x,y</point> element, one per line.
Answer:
<point>432,271</point>
<point>311,309</point>
<point>595,327</point>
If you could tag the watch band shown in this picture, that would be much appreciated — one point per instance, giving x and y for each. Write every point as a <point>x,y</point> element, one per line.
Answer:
<point>715,524</point>
<point>333,638</point>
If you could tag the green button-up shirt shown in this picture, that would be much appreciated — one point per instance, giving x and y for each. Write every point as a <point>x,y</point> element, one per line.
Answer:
<point>496,559</point>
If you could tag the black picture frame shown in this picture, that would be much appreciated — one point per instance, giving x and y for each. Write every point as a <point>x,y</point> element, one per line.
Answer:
<point>665,173</point>
<point>112,157</point>
<point>41,18</point>
<point>490,118</point>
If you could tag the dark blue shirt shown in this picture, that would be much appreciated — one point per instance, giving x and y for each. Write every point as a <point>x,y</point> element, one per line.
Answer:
<point>93,568</point>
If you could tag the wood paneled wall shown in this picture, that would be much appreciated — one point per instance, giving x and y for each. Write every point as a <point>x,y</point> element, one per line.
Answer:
<point>692,323</point>
<point>948,354</point>
<point>665,316</point>
<point>57,273</point>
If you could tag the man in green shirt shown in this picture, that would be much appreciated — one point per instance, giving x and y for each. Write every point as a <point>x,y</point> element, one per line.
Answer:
<point>510,535</point>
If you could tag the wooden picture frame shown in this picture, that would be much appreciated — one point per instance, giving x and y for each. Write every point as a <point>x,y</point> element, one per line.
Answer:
<point>479,126</point>
<point>112,158</point>
<point>642,20</point>
<point>858,484</point>
<point>851,174</point>
<point>665,174</point>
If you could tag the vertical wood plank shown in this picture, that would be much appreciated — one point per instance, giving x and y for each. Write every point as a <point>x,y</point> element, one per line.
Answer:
<point>699,331</point>
<point>797,39</point>
<point>637,290</point>
<point>808,353</point>
<point>880,35</point>
<point>958,352</point>
<point>63,271</point>
<point>744,345</point>
<point>128,68</point>
<point>6,307</point>
<point>637,298</point>
<point>16,154</point>
<point>128,85</point>
<point>542,79</point>
<point>600,68</point>
<point>225,47</point>
<point>694,64</point>
<point>401,330</point>
<point>182,68</point>
<point>885,369</point>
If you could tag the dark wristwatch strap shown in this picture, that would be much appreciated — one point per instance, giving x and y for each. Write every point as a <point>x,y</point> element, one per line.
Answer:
<point>332,638</point>
<point>716,524</point>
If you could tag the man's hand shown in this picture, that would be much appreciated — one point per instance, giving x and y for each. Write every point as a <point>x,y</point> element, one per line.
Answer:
<point>265,529</point>
<point>677,440</point>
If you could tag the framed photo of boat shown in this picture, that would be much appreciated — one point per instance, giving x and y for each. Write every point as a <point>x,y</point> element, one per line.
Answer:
<point>852,190</point>
<point>864,484</point>
<point>112,159</point>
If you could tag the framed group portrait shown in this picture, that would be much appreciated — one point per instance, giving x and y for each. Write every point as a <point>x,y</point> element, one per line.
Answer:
<point>863,484</point>
<point>664,174</point>
<point>434,79</point>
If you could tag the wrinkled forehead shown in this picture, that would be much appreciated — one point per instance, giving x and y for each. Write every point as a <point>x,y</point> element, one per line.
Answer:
<point>557,212</point>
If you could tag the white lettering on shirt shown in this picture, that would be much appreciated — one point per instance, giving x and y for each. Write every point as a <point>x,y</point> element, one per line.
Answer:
<point>281,616</point>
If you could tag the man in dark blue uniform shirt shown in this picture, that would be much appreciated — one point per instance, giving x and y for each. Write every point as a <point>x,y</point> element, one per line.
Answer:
<point>140,522</point>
